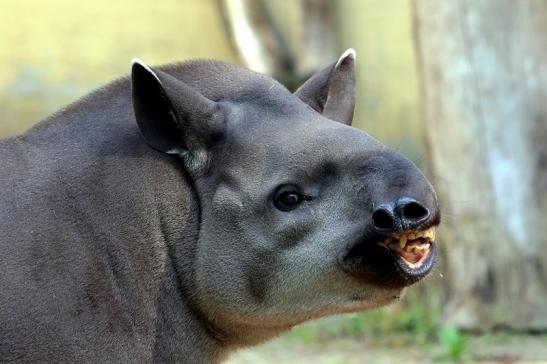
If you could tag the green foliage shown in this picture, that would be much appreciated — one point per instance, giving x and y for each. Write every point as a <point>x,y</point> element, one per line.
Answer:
<point>417,316</point>
<point>452,342</point>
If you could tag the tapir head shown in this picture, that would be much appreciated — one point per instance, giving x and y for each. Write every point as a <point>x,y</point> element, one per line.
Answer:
<point>302,215</point>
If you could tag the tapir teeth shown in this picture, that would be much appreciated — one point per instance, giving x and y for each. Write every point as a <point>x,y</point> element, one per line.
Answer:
<point>403,239</point>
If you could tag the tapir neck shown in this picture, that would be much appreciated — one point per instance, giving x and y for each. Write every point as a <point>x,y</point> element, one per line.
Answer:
<point>182,335</point>
<point>122,221</point>
<point>166,209</point>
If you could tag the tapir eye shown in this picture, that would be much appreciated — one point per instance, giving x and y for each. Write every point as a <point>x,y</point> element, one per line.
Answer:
<point>287,198</point>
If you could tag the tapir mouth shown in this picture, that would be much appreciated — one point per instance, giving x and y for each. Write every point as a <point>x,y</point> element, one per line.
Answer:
<point>414,250</point>
<point>395,260</point>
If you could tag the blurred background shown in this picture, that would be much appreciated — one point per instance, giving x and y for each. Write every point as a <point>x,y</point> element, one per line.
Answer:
<point>459,87</point>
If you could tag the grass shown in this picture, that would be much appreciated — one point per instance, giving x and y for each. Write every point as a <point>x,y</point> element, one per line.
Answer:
<point>400,348</point>
<point>409,332</point>
<point>415,322</point>
<point>452,342</point>
<point>416,315</point>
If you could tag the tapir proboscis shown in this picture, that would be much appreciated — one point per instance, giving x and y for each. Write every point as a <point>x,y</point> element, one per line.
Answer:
<point>192,209</point>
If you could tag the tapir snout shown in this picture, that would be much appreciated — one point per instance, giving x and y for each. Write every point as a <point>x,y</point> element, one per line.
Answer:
<point>397,247</point>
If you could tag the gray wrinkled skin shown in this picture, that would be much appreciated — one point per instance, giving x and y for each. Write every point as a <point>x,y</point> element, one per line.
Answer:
<point>139,224</point>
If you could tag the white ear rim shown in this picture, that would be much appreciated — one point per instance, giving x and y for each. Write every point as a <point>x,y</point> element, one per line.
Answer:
<point>141,63</point>
<point>350,52</point>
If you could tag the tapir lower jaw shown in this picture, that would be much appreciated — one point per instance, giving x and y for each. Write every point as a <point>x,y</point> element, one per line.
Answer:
<point>414,270</point>
<point>376,262</point>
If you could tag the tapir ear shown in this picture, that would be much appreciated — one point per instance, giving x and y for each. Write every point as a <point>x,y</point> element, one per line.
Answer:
<point>173,117</point>
<point>331,91</point>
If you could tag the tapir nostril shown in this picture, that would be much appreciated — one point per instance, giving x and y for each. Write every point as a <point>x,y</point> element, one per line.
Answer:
<point>383,219</point>
<point>414,211</point>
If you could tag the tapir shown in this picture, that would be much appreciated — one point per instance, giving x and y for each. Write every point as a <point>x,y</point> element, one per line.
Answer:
<point>188,210</point>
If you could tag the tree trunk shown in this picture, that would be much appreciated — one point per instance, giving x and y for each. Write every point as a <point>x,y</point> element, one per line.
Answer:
<point>484,76</point>
<point>289,40</point>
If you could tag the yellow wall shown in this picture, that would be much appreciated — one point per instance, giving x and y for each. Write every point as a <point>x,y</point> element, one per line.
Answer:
<point>52,52</point>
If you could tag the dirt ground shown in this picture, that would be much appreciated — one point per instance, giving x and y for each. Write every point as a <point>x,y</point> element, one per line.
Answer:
<point>491,348</point>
